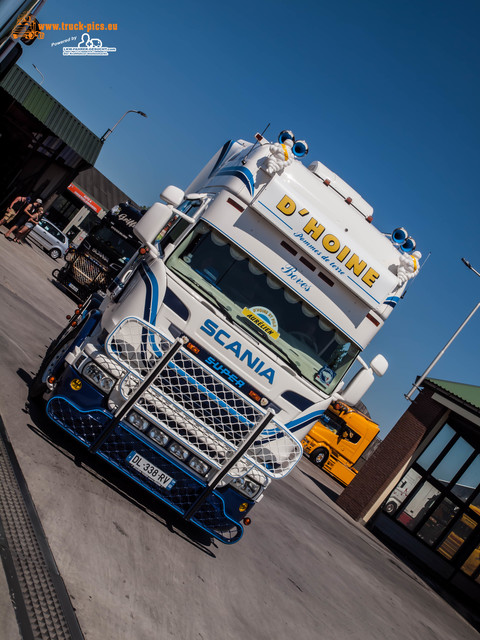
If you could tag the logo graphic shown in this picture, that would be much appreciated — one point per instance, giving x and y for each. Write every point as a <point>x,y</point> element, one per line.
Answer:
<point>264,319</point>
<point>324,376</point>
<point>88,47</point>
<point>27,29</point>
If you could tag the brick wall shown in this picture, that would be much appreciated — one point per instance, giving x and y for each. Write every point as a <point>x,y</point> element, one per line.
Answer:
<point>392,454</point>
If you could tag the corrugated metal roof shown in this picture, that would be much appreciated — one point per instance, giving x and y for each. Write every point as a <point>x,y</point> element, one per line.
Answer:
<point>101,189</point>
<point>466,393</point>
<point>52,114</point>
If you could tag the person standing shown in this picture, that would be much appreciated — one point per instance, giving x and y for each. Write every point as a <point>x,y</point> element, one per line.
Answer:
<point>23,217</point>
<point>17,206</point>
<point>23,232</point>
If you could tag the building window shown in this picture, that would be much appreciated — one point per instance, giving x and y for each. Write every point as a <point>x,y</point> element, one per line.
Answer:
<point>467,482</point>
<point>435,448</point>
<point>438,499</point>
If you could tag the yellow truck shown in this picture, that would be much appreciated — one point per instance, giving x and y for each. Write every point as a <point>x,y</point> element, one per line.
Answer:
<point>336,442</point>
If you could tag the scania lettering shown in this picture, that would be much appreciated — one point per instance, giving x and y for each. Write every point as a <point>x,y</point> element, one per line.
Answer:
<point>227,335</point>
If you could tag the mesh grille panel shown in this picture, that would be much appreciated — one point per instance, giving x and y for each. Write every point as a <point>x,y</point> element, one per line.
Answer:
<point>190,402</point>
<point>86,426</point>
<point>86,271</point>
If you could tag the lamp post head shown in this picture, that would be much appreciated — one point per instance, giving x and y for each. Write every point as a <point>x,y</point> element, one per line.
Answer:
<point>109,131</point>
<point>467,264</point>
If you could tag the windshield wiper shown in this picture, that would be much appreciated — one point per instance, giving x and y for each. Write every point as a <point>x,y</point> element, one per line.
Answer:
<point>216,303</point>
<point>293,364</point>
<point>254,329</point>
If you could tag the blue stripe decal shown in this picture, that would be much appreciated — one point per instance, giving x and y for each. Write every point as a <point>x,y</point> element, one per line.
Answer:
<point>364,290</point>
<point>274,214</point>
<point>392,301</point>
<point>245,175</point>
<point>223,153</point>
<point>148,294</point>
<point>146,309</point>
<point>150,308</point>
<point>295,425</point>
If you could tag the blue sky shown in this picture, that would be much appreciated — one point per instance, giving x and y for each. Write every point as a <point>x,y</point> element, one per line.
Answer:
<point>386,95</point>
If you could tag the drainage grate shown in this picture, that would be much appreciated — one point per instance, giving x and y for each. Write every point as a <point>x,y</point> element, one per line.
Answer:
<point>41,602</point>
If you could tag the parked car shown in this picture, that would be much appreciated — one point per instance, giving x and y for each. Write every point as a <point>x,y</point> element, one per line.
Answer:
<point>50,238</point>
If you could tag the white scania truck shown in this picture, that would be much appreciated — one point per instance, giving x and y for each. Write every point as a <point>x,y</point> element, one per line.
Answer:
<point>228,334</point>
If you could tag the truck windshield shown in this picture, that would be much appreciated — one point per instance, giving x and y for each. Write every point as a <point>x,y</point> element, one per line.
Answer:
<point>253,298</point>
<point>119,248</point>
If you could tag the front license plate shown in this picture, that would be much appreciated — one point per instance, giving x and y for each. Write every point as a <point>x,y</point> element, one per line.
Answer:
<point>149,470</point>
<point>72,286</point>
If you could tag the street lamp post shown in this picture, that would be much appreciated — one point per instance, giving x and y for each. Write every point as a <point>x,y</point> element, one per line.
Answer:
<point>109,131</point>
<point>430,367</point>
<point>43,77</point>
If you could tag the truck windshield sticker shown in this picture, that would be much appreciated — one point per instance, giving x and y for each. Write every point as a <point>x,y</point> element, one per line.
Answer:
<point>264,319</point>
<point>325,376</point>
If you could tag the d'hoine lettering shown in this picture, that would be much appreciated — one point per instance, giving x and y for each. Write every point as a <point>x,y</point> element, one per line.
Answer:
<point>333,245</point>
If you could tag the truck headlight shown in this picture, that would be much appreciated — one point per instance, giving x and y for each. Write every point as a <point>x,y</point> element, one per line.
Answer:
<point>178,451</point>
<point>199,466</point>
<point>246,486</point>
<point>138,421</point>
<point>158,436</point>
<point>98,377</point>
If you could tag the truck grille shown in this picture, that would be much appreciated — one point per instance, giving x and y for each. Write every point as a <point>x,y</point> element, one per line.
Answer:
<point>191,402</point>
<point>86,270</point>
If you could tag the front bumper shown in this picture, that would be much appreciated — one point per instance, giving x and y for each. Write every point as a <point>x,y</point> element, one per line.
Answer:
<point>80,413</point>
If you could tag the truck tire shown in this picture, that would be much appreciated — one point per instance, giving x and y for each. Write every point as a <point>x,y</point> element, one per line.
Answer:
<point>390,507</point>
<point>57,350</point>
<point>319,456</point>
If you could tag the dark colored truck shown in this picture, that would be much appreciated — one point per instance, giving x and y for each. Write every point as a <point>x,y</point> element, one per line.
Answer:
<point>94,264</point>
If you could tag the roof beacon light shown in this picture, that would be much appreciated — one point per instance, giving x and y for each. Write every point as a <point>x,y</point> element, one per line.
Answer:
<point>300,148</point>
<point>409,245</point>
<point>285,135</point>
<point>399,235</point>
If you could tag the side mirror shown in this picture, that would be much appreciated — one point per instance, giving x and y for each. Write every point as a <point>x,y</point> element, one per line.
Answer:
<point>379,365</point>
<point>363,380</point>
<point>172,195</point>
<point>152,222</point>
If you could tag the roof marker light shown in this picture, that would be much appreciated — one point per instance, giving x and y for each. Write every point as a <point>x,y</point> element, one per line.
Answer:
<point>372,319</point>
<point>235,204</point>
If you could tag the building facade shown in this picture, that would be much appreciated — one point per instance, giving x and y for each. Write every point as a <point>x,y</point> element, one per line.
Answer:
<point>44,146</point>
<point>83,202</point>
<point>421,488</point>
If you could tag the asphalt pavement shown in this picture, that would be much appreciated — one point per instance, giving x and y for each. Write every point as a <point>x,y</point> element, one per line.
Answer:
<point>133,570</point>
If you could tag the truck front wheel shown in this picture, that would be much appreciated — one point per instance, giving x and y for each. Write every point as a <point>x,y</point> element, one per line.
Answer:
<point>319,457</point>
